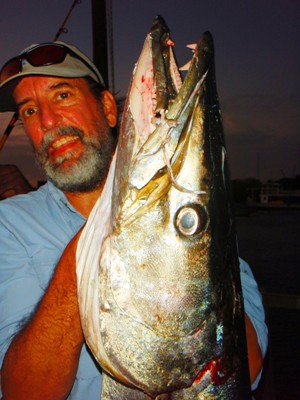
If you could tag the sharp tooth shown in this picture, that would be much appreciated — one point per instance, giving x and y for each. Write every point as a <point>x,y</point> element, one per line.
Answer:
<point>186,66</point>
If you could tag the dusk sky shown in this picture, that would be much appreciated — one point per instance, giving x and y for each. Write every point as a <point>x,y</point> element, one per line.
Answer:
<point>257,67</point>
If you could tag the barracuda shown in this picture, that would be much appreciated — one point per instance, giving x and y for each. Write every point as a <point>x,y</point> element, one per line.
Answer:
<point>157,263</point>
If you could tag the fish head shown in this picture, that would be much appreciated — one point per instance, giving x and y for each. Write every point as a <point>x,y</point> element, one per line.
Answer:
<point>169,177</point>
<point>157,121</point>
<point>169,278</point>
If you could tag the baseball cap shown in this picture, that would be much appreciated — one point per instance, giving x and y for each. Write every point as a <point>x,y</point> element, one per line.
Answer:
<point>51,59</point>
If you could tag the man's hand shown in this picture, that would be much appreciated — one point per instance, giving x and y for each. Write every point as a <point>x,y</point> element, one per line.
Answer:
<point>255,358</point>
<point>12,182</point>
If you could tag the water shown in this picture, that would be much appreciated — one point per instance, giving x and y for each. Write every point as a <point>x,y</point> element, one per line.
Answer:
<point>269,240</point>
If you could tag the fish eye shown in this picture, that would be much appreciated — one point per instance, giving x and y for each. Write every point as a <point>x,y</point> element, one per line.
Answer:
<point>190,220</point>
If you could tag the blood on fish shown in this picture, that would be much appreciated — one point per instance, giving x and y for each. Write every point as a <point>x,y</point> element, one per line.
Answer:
<point>170,42</point>
<point>217,372</point>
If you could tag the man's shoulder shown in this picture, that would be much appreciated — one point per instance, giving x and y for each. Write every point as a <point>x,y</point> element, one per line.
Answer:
<point>41,202</point>
<point>46,207</point>
<point>22,200</point>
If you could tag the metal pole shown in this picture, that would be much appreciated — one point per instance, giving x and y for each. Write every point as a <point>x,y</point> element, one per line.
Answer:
<point>99,22</point>
<point>9,128</point>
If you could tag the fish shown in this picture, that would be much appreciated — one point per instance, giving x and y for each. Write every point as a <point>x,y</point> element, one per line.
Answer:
<point>157,267</point>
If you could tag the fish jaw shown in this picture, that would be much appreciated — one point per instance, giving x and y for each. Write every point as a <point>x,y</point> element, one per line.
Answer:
<point>155,151</point>
<point>156,80</point>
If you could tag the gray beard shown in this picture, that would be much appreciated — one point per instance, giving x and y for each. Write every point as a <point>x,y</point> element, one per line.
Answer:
<point>88,172</point>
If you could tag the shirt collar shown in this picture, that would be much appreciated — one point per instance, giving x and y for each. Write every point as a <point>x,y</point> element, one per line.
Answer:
<point>61,198</point>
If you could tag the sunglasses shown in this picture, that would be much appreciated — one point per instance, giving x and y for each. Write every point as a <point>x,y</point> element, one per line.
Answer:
<point>40,56</point>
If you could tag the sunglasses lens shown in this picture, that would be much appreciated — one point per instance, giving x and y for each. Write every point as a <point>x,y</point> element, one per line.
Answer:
<point>12,67</point>
<point>37,57</point>
<point>46,55</point>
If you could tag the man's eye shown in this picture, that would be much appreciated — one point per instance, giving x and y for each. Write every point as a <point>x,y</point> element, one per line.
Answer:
<point>64,95</point>
<point>28,112</point>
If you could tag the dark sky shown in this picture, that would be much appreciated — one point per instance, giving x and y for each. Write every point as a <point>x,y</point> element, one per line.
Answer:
<point>257,65</point>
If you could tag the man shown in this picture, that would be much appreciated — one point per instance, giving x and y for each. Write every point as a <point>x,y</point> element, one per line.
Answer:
<point>68,115</point>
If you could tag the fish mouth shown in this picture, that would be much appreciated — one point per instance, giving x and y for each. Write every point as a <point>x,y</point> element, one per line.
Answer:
<point>162,113</point>
<point>170,108</point>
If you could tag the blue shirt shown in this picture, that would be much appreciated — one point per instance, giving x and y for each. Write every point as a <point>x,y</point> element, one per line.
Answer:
<point>34,230</point>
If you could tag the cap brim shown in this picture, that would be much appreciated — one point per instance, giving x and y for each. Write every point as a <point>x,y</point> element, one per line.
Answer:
<point>7,102</point>
<point>70,67</point>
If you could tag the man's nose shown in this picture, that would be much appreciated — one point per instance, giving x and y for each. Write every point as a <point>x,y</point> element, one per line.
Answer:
<point>50,117</point>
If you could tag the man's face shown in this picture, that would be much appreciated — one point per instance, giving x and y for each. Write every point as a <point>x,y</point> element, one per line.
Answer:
<point>68,128</point>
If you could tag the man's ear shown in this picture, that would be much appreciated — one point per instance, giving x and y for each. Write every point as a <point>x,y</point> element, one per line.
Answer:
<point>109,107</point>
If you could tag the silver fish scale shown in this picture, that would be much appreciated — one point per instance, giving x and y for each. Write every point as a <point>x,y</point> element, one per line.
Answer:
<point>167,321</point>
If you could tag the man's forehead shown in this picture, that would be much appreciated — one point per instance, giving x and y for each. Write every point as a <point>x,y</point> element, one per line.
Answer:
<point>46,83</point>
<point>31,87</point>
<point>49,81</point>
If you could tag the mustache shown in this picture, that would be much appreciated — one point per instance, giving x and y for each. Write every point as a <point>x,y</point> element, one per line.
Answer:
<point>42,153</point>
<point>61,131</point>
